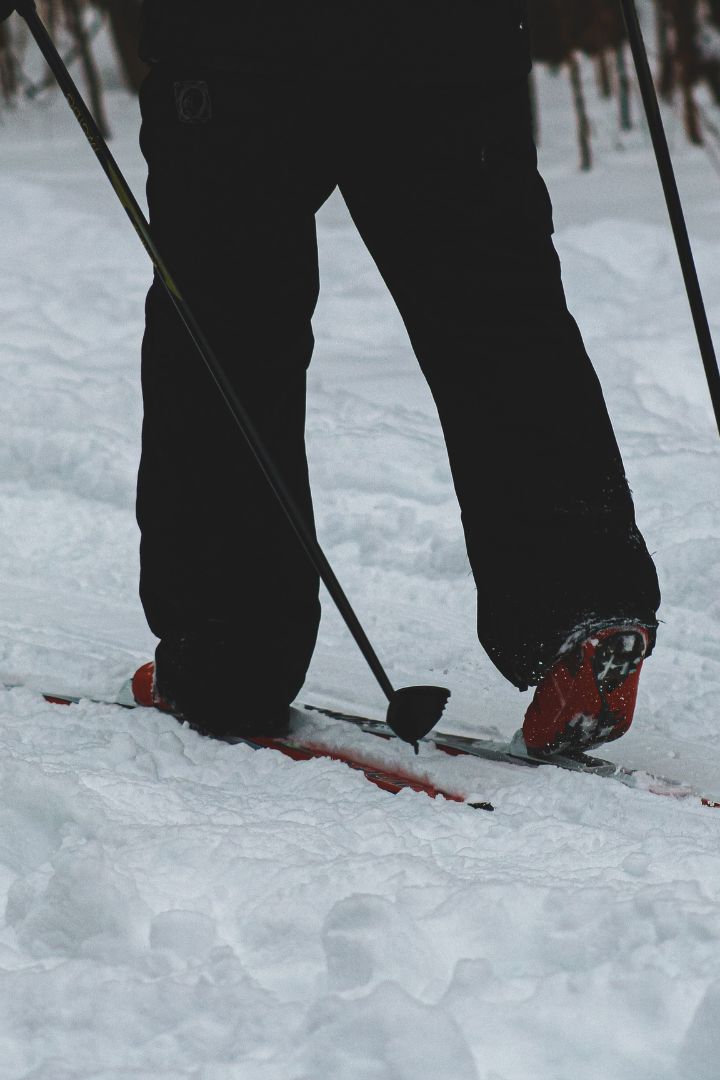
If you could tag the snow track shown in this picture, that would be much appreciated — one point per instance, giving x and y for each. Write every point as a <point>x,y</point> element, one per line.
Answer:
<point>177,908</point>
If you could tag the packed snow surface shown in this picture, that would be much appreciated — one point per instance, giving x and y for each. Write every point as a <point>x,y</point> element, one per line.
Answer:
<point>175,907</point>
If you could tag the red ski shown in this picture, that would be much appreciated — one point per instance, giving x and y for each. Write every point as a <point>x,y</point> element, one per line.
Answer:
<point>305,748</point>
<point>310,741</point>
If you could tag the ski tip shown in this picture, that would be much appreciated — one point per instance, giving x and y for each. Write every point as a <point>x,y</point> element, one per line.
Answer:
<point>415,710</point>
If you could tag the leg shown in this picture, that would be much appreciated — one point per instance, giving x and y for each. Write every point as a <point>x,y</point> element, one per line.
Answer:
<point>224,583</point>
<point>443,185</point>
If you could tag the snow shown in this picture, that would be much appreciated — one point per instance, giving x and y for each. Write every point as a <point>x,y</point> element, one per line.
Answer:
<point>178,908</point>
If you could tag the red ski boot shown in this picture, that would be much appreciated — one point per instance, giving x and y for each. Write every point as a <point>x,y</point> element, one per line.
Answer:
<point>211,715</point>
<point>588,696</point>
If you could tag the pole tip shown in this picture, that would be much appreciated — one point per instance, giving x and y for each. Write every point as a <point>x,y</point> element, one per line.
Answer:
<point>415,710</point>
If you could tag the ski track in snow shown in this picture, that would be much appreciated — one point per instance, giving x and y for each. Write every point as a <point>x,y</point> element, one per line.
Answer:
<point>175,907</point>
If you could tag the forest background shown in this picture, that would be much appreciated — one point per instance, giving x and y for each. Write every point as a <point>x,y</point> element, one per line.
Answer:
<point>683,38</point>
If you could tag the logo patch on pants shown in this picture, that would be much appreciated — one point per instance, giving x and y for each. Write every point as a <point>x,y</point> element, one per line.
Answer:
<point>193,102</point>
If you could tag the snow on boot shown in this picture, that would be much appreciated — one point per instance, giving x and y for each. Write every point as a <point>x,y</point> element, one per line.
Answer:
<point>588,696</point>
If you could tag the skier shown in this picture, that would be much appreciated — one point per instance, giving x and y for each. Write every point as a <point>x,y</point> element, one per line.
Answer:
<point>418,111</point>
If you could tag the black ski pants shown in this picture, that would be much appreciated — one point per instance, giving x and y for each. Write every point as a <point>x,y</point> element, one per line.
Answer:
<point>442,184</point>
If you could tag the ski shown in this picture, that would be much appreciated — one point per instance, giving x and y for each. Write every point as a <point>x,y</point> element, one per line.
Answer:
<point>307,747</point>
<point>515,753</point>
<point>301,744</point>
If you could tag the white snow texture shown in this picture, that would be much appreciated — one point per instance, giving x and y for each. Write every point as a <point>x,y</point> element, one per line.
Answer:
<point>178,908</point>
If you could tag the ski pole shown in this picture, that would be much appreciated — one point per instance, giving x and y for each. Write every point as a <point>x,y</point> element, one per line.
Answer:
<point>674,205</point>
<point>412,710</point>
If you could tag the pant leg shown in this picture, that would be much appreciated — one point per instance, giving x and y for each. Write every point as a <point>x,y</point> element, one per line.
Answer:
<point>443,185</point>
<point>232,200</point>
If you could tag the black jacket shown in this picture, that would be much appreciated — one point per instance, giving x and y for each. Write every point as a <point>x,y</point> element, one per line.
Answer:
<point>417,40</point>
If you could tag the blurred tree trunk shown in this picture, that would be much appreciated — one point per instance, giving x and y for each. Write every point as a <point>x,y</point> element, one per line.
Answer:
<point>598,31</point>
<point>49,12</point>
<point>624,98</point>
<point>76,26</point>
<point>711,53</point>
<point>602,68</point>
<point>125,27</point>
<point>583,121</point>
<point>552,24</point>
<point>666,78</point>
<point>8,63</point>
<point>685,18</point>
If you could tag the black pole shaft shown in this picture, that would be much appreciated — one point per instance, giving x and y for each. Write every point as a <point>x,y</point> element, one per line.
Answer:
<point>674,205</point>
<point>27,9</point>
